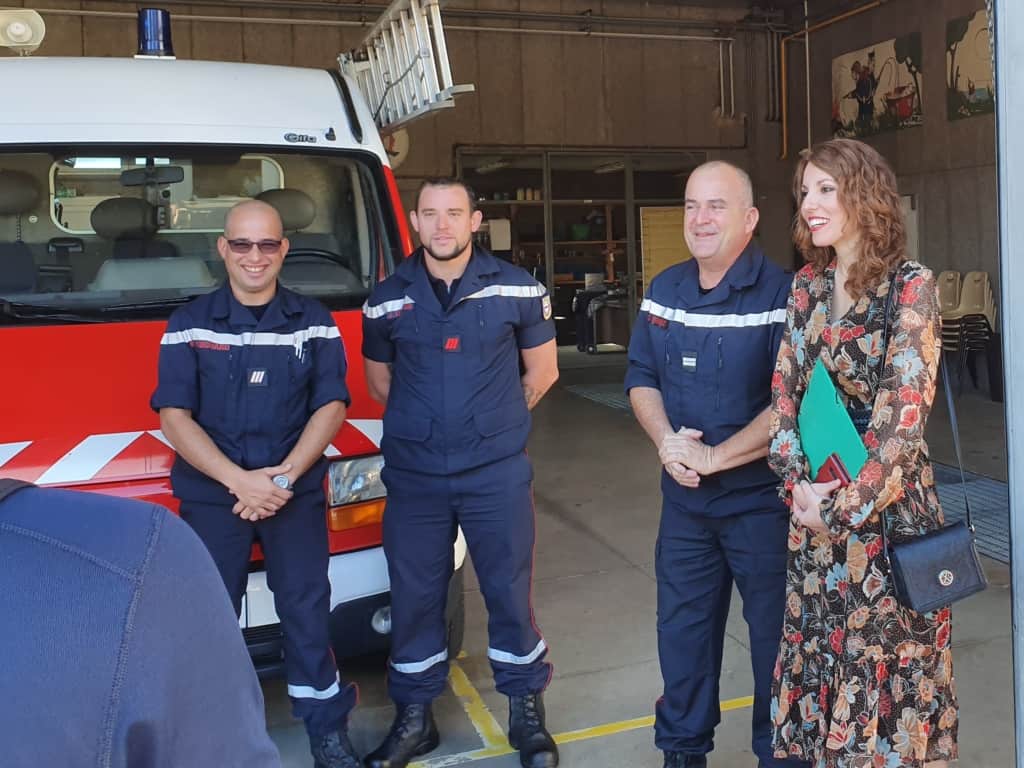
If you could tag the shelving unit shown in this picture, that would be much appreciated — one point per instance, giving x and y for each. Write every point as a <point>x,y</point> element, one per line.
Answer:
<point>602,250</point>
<point>583,218</point>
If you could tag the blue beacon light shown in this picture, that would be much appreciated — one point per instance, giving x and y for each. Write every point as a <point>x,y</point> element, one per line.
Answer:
<point>155,33</point>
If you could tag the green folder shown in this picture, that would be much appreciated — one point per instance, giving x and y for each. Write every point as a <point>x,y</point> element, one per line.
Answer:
<point>826,427</point>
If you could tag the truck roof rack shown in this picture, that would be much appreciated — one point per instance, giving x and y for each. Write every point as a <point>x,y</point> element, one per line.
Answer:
<point>402,65</point>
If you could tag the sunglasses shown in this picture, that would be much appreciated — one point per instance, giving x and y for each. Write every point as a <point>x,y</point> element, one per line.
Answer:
<point>244,246</point>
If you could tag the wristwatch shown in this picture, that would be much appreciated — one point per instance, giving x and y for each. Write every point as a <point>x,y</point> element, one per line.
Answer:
<point>282,481</point>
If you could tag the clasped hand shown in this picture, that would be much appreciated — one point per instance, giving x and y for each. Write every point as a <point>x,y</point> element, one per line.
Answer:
<point>808,499</point>
<point>685,457</point>
<point>258,496</point>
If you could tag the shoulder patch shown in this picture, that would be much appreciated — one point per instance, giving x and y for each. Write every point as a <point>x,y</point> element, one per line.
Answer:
<point>545,303</point>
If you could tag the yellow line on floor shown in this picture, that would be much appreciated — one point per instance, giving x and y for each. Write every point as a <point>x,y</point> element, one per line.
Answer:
<point>622,726</point>
<point>473,704</point>
<point>583,734</point>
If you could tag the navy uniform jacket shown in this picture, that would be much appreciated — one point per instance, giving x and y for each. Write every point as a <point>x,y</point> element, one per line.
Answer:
<point>456,400</point>
<point>120,646</point>
<point>252,386</point>
<point>712,357</point>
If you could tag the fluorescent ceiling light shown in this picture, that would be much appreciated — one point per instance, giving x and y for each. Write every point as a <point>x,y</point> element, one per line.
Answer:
<point>613,167</point>
<point>96,163</point>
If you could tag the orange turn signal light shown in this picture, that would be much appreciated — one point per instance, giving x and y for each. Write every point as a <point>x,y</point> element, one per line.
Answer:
<point>355,515</point>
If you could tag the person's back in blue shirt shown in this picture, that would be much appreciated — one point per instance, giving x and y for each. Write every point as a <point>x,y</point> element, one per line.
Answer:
<point>120,647</point>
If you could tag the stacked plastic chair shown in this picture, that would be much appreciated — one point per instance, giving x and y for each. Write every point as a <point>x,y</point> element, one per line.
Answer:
<point>949,303</point>
<point>949,290</point>
<point>969,326</point>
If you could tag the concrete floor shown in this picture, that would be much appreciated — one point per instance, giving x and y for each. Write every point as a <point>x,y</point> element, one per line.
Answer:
<point>597,503</point>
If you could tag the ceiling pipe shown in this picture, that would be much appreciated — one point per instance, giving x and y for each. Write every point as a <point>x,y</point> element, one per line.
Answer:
<point>367,13</point>
<point>300,22</point>
<point>732,86</point>
<point>805,34</point>
<point>773,76</point>
<point>721,80</point>
<point>807,68</point>
<point>585,33</point>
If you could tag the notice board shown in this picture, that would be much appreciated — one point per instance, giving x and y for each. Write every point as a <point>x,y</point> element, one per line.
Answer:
<point>662,243</point>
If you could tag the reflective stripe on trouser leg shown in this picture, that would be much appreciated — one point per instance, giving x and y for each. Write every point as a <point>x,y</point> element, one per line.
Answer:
<point>295,548</point>
<point>510,658</point>
<point>415,667</point>
<point>309,692</point>
<point>494,505</point>
<point>419,536</point>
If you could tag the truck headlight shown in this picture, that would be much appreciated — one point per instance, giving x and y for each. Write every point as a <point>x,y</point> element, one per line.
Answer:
<point>355,480</point>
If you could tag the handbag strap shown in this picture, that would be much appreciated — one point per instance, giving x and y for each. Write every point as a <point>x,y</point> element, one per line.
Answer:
<point>889,304</point>
<point>9,485</point>
<point>956,439</point>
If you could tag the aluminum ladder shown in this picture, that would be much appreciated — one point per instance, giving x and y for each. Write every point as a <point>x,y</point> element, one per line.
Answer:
<point>402,65</point>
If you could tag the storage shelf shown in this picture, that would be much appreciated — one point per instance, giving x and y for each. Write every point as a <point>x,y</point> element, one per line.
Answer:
<point>561,243</point>
<point>589,201</point>
<point>584,201</point>
<point>508,202</point>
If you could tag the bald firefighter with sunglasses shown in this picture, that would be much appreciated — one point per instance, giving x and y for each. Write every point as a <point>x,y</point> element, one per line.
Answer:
<point>251,389</point>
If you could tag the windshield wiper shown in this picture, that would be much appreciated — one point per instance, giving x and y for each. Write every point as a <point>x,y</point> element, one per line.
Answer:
<point>175,301</point>
<point>22,311</point>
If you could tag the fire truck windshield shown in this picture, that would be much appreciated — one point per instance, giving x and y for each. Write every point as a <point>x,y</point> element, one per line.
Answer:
<point>100,234</point>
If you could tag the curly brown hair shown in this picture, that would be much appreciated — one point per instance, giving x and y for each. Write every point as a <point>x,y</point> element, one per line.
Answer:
<point>868,193</point>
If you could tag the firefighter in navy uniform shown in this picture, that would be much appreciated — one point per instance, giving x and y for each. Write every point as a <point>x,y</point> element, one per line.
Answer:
<point>251,389</point>
<point>701,359</point>
<point>442,340</point>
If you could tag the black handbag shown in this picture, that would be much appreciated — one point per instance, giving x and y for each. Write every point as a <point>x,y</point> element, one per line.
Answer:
<point>942,566</point>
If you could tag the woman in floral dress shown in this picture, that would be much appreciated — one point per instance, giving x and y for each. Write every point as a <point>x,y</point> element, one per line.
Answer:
<point>861,681</point>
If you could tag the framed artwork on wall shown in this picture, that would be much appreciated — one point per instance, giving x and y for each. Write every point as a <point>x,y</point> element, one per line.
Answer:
<point>969,82</point>
<point>877,88</point>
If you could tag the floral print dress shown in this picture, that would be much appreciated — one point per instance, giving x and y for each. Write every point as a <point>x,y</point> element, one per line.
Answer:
<point>862,681</point>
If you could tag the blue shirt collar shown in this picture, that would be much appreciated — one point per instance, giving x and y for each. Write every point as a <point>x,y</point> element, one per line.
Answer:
<point>413,272</point>
<point>285,304</point>
<point>743,273</point>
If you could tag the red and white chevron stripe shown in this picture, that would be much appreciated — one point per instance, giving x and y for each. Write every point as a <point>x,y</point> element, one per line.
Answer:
<point>132,455</point>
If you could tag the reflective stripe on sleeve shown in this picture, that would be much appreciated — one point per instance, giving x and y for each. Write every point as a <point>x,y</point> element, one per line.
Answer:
<point>386,308</point>
<point>535,291</point>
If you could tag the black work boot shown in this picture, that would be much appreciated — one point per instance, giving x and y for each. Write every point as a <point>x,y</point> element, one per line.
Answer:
<point>526,732</point>
<point>413,733</point>
<point>685,760</point>
<point>334,751</point>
